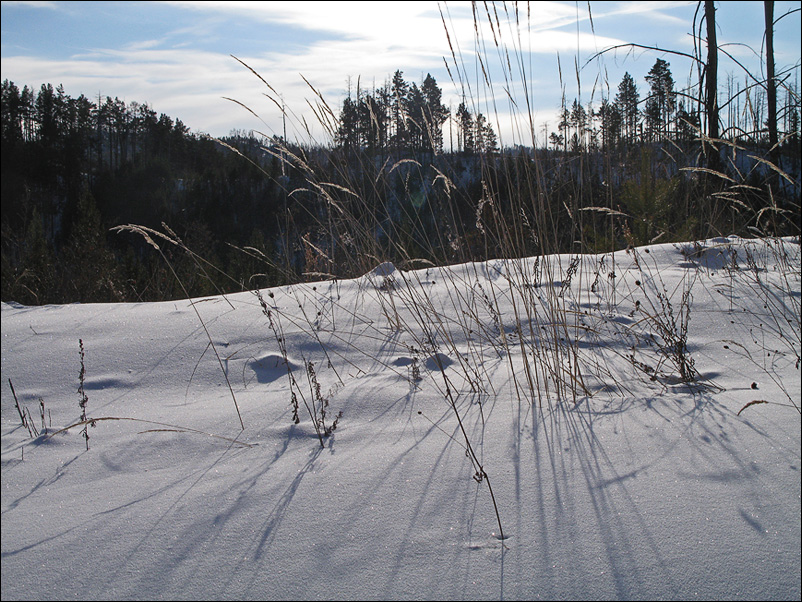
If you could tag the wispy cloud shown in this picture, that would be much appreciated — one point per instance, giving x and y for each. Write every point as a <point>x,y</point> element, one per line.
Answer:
<point>182,66</point>
<point>144,45</point>
<point>31,4</point>
<point>355,42</point>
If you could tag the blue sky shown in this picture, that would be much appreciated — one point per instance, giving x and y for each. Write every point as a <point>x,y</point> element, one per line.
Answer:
<point>175,56</point>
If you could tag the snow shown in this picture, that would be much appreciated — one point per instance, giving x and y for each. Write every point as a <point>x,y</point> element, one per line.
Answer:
<point>558,379</point>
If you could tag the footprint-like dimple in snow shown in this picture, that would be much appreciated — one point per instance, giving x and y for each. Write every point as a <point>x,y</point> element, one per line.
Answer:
<point>95,383</point>
<point>438,361</point>
<point>271,367</point>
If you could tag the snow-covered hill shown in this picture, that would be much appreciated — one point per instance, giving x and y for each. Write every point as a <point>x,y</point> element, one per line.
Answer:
<point>594,409</point>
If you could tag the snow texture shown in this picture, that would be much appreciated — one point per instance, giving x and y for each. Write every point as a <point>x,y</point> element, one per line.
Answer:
<point>604,398</point>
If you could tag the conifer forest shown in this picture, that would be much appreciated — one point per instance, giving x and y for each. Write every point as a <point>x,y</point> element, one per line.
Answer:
<point>402,178</point>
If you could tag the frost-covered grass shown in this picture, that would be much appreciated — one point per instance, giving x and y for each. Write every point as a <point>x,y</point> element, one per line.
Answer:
<point>609,400</point>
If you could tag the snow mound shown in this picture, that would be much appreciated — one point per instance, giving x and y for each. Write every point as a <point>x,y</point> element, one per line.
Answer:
<point>383,269</point>
<point>271,367</point>
<point>383,276</point>
<point>438,362</point>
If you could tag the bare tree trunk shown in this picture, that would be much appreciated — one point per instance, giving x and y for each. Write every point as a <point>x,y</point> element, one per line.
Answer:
<point>771,84</point>
<point>711,87</point>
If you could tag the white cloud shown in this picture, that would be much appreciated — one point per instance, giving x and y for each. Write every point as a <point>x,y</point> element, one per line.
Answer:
<point>363,41</point>
<point>372,40</point>
<point>31,4</point>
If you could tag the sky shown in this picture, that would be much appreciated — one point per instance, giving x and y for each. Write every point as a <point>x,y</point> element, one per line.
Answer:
<point>177,56</point>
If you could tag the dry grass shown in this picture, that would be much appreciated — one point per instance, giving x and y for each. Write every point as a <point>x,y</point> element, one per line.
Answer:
<point>547,314</point>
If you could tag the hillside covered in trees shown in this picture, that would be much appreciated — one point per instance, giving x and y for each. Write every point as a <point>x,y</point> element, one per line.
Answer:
<point>405,178</point>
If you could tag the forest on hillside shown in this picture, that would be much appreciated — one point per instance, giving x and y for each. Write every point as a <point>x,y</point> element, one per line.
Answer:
<point>404,179</point>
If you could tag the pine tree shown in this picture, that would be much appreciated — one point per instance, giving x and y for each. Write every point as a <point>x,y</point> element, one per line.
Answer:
<point>661,105</point>
<point>417,124</point>
<point>687,124</point>
<point>88,269</point>
<point>399,90</point>
<point>435,112</point>
<point>346,135</point>
<point>627,103</point>
<point>610,119</point>
<point>373,121</point>
<point>35,282</point>
<point>466,129</point>
<point>489,137</point>
<point>578,120</point>
<point>11,112</point>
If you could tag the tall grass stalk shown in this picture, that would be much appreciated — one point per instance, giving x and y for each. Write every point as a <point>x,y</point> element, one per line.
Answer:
<point>149,234</point>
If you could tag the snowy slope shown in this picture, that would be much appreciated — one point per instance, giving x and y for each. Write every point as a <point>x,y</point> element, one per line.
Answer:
<point>598,395</point>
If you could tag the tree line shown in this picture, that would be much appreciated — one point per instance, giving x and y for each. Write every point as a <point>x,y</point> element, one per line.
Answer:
<point>405,118</point>
<point>74,168</point>
<point>667,114</point>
